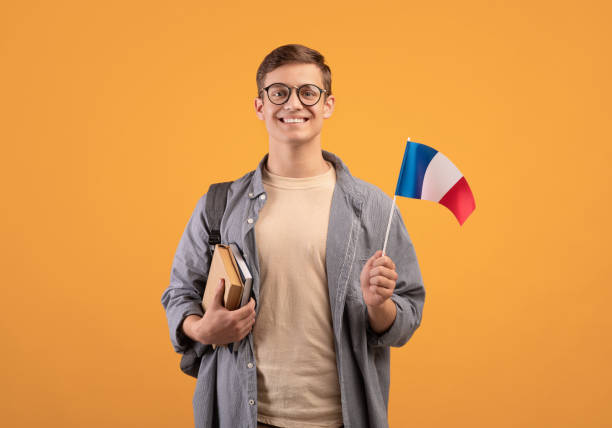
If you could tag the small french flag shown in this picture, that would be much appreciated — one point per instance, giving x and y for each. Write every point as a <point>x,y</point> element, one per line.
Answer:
<point>428,174</point>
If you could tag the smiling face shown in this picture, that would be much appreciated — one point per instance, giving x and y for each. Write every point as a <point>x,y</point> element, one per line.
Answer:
<point>293,122</point>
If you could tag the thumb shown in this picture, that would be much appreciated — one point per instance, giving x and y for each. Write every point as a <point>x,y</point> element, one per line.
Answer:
<point>376,255</point>
<point>219,293</point>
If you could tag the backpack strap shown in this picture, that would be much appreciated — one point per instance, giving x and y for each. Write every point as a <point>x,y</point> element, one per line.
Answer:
<point>216,201</point>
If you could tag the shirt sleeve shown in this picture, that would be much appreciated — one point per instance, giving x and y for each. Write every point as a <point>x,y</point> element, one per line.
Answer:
<point>188,276</point>
<point>409,292</point>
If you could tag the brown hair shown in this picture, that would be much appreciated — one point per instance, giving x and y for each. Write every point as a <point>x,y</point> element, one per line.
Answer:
<point>292,54</point>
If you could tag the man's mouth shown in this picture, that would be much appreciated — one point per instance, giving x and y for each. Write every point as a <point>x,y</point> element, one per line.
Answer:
<point>293,119</point>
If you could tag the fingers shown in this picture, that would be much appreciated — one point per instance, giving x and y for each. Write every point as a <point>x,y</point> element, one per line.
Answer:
<point>383,261</point>
<point>245,326</point>
<point>245,311</point>
<point>381,281</point>
<point>246,318</point>
<point>247,322</point>
<point>384,272</point>
<point>238,328</point>
<point>383,292</point>
<point>382,277</point>
<point>378,259</point>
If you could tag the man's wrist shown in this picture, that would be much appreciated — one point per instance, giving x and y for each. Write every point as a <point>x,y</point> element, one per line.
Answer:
<point>381,317</point>
<point>188,326</point>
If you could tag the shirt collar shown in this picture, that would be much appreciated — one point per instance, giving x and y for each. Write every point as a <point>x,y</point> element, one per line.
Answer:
<point>344,179</point>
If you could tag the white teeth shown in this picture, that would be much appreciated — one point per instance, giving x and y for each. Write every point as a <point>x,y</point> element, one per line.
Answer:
<point>294,120</point>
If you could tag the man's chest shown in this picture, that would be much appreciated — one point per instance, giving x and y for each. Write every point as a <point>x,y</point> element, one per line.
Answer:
<point>294,223</point>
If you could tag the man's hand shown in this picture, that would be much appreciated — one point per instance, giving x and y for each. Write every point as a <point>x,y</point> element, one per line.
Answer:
<point>219,325</point>
<point>377,279</point>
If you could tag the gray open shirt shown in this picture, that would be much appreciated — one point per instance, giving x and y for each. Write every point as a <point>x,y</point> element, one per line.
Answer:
<point>226,388</point>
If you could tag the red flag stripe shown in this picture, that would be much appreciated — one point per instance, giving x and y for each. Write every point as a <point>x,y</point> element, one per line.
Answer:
<point>459,200</point>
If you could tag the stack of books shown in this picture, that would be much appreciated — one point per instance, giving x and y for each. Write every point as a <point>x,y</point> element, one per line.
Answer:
<point>228,263</point>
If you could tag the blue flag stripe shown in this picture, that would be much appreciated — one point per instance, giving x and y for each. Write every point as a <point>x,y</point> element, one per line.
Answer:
<point>416,159</point>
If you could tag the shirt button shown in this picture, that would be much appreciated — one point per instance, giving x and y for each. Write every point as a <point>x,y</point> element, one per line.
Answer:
<point>251,195</point>
<point>250,365</point>
<point>251,402</point>
<point>250,220</point>
<point>262,197</point>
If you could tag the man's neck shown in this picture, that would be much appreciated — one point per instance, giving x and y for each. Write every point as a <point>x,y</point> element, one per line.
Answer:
<point>296,161</point>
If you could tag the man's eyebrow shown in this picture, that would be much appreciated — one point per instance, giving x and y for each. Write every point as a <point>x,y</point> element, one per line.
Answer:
<point>300,84</point>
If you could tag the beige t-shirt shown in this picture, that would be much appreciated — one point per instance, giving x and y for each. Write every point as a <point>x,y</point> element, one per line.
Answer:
<point>293,338</point>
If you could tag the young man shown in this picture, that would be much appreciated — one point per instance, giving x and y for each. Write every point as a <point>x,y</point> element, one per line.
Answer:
<point>326,304</point>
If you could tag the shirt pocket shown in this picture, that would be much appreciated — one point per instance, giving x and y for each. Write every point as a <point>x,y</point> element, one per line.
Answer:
<point>353,291</point>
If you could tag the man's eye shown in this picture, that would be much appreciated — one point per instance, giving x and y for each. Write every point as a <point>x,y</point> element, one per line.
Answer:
<point>309,93</point>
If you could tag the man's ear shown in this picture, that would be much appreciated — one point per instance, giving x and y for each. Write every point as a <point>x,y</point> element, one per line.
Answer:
<point>259,108</point>
<point>328,106</point>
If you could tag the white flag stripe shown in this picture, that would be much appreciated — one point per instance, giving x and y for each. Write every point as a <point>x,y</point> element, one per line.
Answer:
<point>440,176</point>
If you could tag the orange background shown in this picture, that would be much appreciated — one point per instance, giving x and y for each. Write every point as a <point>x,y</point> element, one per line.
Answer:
<point>116,116</point>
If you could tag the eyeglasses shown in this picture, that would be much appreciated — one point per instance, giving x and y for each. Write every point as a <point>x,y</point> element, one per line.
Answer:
<point>279,93</point>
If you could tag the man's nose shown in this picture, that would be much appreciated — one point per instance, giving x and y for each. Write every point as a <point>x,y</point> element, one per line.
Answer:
<point>293,103</point>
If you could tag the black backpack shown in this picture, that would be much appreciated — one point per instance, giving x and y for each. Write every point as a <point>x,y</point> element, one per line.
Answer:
<point>216,201</point>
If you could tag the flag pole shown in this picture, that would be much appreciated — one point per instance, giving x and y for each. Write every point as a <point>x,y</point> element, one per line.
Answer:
<point>389,225</point>
<point>389,222</point>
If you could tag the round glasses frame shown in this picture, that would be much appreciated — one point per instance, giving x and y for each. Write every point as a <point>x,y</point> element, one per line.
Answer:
<point>297,91</point>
